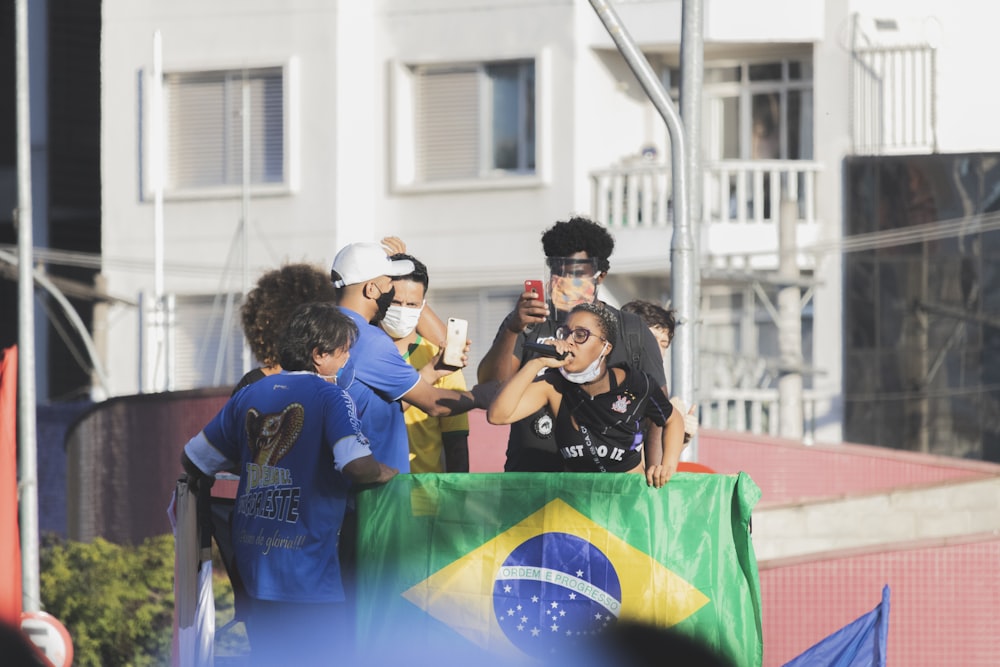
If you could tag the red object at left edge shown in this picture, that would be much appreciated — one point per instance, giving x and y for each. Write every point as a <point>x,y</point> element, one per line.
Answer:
<point>10,536</point>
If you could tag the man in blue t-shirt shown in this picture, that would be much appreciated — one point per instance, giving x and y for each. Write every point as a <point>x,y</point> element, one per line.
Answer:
<point>295,439</point>
<point>377,376</point>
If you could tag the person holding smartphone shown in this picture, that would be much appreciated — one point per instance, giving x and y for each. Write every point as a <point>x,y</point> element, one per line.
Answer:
<point>437,443</point>
<point>376,376</point>
<point>598,408</point>
<point>577,253</point>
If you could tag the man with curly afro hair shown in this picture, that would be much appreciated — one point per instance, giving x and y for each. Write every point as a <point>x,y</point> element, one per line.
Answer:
<point>269,307</point>
<point>576,253</point>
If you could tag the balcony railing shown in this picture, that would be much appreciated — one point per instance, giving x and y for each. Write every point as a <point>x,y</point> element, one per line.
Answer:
<point>755,411</point>
<point>639,194</point>
<point>740,205</point>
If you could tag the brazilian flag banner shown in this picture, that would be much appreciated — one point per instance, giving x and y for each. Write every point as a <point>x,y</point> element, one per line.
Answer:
<point>524,565</point>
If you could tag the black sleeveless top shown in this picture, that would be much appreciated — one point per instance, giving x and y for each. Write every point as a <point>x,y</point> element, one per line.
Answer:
<point>609,436</point>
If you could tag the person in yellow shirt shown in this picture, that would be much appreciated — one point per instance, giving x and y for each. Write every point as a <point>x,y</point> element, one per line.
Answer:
<point>437,444</point>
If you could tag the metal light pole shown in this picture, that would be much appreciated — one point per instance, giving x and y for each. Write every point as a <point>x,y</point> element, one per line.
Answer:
<point>683,262</point>
<point>27,444</point>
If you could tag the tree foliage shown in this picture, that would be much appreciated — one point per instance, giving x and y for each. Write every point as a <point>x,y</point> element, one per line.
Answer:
<point>116,601</point>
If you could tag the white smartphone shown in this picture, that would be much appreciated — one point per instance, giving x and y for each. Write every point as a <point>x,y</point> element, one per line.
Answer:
<point>458,334</point>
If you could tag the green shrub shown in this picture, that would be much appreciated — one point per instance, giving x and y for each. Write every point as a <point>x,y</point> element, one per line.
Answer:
<point>117,602</point>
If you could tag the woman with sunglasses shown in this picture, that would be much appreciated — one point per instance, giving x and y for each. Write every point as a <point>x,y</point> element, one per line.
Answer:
<point>598,409</point>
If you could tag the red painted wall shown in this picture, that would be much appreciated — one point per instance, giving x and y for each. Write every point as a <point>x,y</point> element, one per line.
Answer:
<point>944,602</point>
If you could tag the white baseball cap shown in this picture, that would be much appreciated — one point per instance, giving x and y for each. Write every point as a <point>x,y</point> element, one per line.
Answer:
<point>360,262</point>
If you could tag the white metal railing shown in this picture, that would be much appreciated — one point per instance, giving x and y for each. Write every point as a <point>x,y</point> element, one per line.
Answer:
<point>755,411</point>
<point>637,194</point>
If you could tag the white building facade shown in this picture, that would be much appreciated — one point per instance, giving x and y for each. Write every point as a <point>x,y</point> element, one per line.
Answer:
<point>467,127</point>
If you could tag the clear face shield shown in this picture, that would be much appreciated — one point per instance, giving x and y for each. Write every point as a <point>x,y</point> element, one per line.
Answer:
<point>569,283</point>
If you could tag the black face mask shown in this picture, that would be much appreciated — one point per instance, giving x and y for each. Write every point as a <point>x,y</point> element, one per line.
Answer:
<point>383,302</point>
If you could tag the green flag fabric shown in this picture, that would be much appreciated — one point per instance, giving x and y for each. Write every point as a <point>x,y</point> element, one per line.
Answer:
<point>524,565</point>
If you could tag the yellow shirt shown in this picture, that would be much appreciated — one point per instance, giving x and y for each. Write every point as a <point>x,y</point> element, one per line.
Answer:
<point>426,450</point>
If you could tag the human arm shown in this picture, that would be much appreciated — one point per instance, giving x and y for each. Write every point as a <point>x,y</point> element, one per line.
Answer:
<point>432,327</point>
<point>671,443</point>
<point>197,479</point>
<point>201,455</point>
<point>652,449</point>
<point>521,396</point>
<point>352,454</point>
<point>500,362</point>
<point>690,418</point>
<point>367,470</point>
<point>438,402</point>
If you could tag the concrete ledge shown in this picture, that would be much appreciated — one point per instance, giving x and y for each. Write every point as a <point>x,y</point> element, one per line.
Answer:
<point>940,511</point>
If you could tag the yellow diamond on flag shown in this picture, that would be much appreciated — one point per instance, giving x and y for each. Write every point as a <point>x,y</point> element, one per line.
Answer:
<point>554,576</point>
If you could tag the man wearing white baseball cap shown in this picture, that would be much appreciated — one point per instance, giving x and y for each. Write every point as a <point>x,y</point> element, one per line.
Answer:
<point>376,376</point>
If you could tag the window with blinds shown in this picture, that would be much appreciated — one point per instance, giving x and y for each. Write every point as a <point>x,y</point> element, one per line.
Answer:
<point>474,120</point>
<point>205,138</point>
<point>208,340</point>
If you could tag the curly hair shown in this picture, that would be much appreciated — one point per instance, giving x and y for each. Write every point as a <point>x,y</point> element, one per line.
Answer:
<point>577,234</point>
<point>608,320</point>
<point>270,304</point>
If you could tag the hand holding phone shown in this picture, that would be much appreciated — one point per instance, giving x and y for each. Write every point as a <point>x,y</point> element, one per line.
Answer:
<point>536,287</point>
<point>458,336</point>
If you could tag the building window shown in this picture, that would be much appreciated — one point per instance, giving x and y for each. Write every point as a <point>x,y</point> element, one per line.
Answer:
<point>756,110</point>
<point>205,135</point>
<point>773,112</point>
<point>474,121</point>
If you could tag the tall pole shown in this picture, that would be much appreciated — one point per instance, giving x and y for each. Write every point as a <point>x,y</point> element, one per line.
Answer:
<point>159,375</point>
<point>789,326</point>
<point>26,433</point>
<point>692,76</point>
<point>245,221</point>
<point>683,266</point>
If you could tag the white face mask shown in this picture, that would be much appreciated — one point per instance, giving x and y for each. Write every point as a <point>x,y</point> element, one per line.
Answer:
<point>400,321</point>
<point>588,374</point>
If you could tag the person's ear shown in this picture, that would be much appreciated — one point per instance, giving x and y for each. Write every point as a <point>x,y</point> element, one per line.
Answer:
<point>599,277</point>
<point>317,357</point>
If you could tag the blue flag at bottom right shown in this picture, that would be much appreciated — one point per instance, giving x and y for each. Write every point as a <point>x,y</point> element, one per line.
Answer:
<point>860,643</point>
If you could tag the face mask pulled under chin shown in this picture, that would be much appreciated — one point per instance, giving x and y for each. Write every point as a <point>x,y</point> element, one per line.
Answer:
<point>566,292</point>
<point>588,374</point>
<point>400,321</point>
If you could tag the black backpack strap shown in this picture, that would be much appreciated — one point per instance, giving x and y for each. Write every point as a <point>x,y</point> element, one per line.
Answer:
<point>631,328</point>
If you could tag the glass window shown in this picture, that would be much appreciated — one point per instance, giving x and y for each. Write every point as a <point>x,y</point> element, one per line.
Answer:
<point>800,125</point>
<point>474,120</point>
<point>798,71</point>
<point>765,72</point>
<point>722,74</point>
<point>765,137</point>
<point>731,121</point>
<point>513,137</point>
<point>205,112</point>
<point>756,112</point>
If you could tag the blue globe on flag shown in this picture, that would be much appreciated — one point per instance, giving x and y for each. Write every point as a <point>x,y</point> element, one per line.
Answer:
<point>553,590</point>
